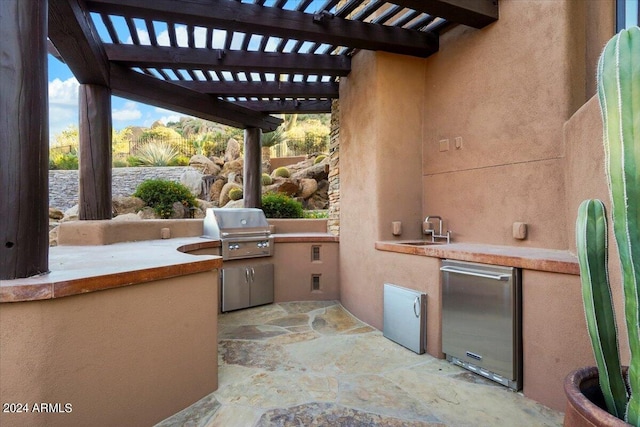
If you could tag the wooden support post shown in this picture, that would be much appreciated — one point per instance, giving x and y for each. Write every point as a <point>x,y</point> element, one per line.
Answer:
<point>252,168</point>
<point>24,139</point>
<point>95,152</point>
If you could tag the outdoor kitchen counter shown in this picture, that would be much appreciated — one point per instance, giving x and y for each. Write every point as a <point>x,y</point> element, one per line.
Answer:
<point>555,261</point>
<point>81,269</point>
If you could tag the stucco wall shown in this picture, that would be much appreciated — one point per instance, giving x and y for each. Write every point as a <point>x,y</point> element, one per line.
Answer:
<point>380,149</point>
<point>129,356</point>
<point>507,91</point>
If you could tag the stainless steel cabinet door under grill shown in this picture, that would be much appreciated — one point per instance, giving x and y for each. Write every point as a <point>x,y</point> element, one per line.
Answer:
<point>481,319</point>
<point>246,286</point>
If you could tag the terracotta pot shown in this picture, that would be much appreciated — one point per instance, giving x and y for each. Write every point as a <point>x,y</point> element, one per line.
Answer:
<point>585,403</point>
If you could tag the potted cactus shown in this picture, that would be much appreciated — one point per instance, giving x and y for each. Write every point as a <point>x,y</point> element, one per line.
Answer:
<point>619,95</point>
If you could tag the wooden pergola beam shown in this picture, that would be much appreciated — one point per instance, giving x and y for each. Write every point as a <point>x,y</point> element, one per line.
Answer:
<point>150,90</point>
<point>288,24</point>
<point>288,106</point>
<point>264,89</point>
<point>75,38</point>
<point>206,59</point>
<point>474,13</point>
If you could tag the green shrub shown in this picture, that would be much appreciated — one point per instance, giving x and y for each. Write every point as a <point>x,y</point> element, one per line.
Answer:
<point>156,154</point>
<point>133,161</point>
<point>235,193</point>
<point>117,163</point>
<point>282,172</point>
<point>179,160</point>
<point>319,159</point>
<point>64,161</point>
<point>320,214</point>
<point>266,179</point>
<point>161,194</point>
<point>278,205</point>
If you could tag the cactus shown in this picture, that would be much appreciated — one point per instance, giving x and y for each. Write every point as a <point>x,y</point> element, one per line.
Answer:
<point>282,172</point>
<point>619,95</point>
<point>235,193</point>
<point>320,158</point>
<point>266,179</point>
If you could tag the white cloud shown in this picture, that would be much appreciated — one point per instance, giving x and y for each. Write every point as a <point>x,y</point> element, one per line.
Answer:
<point>63,105</point>
<point>129,111</point>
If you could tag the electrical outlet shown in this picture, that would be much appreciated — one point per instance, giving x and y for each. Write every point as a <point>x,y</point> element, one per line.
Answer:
<point>444,145</point>
<point>458,142</point>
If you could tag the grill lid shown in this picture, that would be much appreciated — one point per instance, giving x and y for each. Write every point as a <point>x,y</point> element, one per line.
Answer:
<point>223,224</point>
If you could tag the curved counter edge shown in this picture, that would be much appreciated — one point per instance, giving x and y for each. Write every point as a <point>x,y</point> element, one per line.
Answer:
<point>76,270</point>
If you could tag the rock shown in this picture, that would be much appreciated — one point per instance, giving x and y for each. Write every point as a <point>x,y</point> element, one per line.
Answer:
<point>234,167</point>
<point>203,205</point>
<point>55,213</point>
<point>233,150</point>
<point>204,165</point>
<point>147,213</point>
<point>217,160</point>
<point>198,213</point>
<point>71,214</point>
<point>122,205</point>
<point>192,179</point>
<point>215,190</point>
<point>53,237</point>
<point>179,211</point>
<point>288,187</point>
<point>317,172</point>
<point>127,217</point>
<point>235,204</point>
<point>224,193</point>
<point>308,186</point>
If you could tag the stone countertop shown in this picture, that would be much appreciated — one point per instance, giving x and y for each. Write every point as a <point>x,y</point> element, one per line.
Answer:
<point>555,261</point>
<point>80,269</point>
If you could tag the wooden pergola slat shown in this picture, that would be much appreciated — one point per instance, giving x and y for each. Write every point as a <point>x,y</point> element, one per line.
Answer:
<point>165,57</point>
<point>474,13</point>
<point>264,88</point>
<point>149,90</point>
<point>252,18</point>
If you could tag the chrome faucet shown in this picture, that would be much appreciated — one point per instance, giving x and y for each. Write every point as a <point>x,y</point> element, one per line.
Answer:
<point>428,230</point>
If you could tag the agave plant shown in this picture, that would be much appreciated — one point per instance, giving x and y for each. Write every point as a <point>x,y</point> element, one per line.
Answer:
<point>156,154</point>
<point>619,95</point>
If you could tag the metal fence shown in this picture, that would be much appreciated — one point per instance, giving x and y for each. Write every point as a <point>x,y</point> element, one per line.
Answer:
<point>309,144</point>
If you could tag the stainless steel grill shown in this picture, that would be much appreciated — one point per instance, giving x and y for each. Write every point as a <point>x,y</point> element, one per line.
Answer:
<point>243,233</point>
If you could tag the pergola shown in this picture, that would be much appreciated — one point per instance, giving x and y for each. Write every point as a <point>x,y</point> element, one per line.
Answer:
<point>230,61</point>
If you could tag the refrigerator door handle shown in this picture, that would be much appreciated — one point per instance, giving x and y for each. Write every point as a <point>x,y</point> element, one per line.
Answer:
<point>416,301</point>
<point>475,273</point>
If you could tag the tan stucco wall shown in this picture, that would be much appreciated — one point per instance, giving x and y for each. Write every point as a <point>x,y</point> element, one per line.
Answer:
<point>380,149</point>
<point>555,339</point>
<point>130,356</point>
<point>507,90</point>
<point>294,269</point>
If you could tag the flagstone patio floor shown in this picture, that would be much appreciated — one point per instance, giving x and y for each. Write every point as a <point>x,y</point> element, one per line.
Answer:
<point>314,364</point>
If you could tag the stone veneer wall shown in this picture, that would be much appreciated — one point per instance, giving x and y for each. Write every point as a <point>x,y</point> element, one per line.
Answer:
<point>334,170</point>
<point>63,184</point>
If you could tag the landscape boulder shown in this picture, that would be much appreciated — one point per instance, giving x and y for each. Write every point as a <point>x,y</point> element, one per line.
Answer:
<point>233,150</point>
<point>224,193</point>
<point>308,186</point>
<point>192,179</point>
<point>122,205</point>
<point>204,165</point>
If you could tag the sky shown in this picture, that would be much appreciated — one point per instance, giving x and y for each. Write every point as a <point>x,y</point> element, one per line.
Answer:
<point>63,104</point>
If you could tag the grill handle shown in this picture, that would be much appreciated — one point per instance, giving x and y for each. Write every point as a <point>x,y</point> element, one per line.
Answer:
<point>245,233</point>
